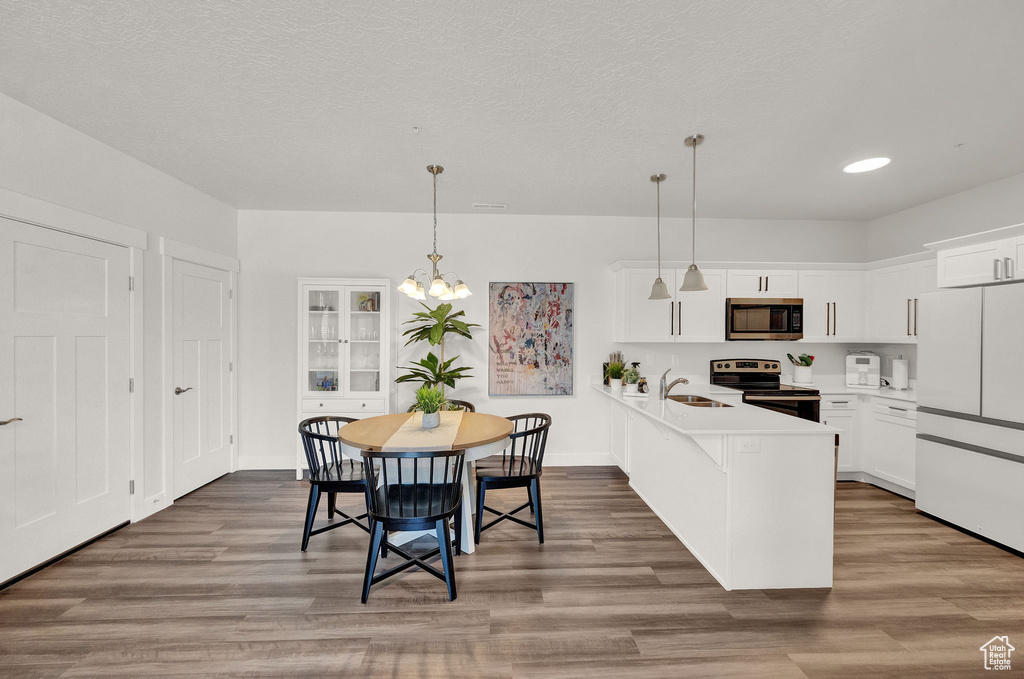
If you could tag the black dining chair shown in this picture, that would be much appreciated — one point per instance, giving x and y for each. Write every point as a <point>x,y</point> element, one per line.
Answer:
<point>453,404</point>
<point>413,491</point>
<point>519,466</point>
<point>329,472</point>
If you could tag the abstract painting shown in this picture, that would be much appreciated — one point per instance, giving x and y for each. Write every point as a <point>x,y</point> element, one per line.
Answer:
<point>531,339</point>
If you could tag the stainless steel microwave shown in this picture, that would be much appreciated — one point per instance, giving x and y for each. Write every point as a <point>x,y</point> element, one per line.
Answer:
<point>760,318</point>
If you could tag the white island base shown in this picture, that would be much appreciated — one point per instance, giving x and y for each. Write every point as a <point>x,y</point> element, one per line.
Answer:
<point>748,491</point>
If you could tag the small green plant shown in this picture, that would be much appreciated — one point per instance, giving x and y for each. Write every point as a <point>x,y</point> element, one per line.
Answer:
<point>430,399</point>
<point>631,376</point>
<point>614,370</point>
<point>805,359</point>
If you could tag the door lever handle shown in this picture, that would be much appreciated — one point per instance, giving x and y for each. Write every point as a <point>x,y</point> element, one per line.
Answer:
<point>13,419</point>
<point>179,391</point>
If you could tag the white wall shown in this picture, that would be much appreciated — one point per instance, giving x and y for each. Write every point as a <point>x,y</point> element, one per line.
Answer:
<point>982,208</point>
<point>49,161</point>
<point>278,247</point>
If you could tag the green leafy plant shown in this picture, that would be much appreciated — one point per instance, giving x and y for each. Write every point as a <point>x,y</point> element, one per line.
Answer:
<point>614,370</point>
<point>631,376</point>
<point>432,326</point>
<point>805,359</point>
<point>430,399</point>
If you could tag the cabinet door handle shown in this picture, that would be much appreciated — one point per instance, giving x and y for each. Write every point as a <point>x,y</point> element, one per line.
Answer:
<point>672,319</point>
<point>995,270</point>
<point>766,284</point>
<point>915,317</point>
<point>1009,267</point>
<point>13,419</point>
<point>908,316</point>
<point>828,319</point>
<point>835,318</point>
<point>760,282</point>
<point>178,391</point>
<point>680,320</point>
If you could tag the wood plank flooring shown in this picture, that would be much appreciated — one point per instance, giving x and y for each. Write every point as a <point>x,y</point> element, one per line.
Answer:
<point>216,586</point>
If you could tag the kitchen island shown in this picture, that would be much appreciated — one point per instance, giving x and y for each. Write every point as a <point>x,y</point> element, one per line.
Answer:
<point>750,492</point>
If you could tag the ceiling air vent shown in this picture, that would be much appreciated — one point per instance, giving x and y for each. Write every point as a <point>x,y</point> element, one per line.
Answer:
<point>490,206</point>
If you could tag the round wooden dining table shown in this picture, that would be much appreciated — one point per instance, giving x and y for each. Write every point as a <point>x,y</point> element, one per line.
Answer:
<point>480,435</point>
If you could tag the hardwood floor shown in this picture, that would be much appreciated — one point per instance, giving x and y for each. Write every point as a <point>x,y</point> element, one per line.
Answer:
<point>216,586</point>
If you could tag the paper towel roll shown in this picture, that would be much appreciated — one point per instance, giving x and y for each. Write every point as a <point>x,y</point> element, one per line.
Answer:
<point>900,373</point>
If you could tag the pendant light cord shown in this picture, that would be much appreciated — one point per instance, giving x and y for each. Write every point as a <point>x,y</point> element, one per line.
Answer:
<point>435,212</point>
<point>657,185</point>
<point>693,229</point>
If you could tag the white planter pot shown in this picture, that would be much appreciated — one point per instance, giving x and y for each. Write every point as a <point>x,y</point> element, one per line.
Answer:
<point>431,420</point>
<point>616,385</point>
<point>630,388</point>
<point>802,374</point>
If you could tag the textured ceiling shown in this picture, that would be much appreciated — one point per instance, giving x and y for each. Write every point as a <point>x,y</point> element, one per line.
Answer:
<point>552,107</point>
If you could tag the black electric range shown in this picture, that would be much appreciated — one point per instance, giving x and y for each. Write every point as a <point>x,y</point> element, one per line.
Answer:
<point>760,381</point>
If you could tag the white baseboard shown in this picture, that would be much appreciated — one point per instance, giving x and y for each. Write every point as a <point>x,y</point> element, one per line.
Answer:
<point>578,460</point>
<point>864,477</point>
<point>550,460</point>
<point>267,462</point>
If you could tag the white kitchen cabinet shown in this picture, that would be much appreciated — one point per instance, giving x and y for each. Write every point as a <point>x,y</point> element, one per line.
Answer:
<point>892,303</point>
<point>1018,261</point>
<point>893,442</point>
<point>686,317</point>
<point>639,319</point>
<point>978,263</point>
<point>774,283</point>
<point>1002,369</point>
<point>842,412</point>
<point>618,428</point>
<point>345,339</point>
<point>833,303</point>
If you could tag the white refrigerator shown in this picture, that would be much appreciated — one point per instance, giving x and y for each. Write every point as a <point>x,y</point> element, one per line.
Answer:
<point>970,426</point>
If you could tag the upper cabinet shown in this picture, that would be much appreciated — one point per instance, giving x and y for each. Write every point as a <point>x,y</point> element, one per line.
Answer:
<point>833,309</point>
<point>686,317</point>
<point>979,263</point>
<point>762,283</point>
<point>892,302</point>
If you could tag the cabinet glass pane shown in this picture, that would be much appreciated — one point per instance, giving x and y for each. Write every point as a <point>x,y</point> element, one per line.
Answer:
<point>323,355</point>
<point>364,340</point>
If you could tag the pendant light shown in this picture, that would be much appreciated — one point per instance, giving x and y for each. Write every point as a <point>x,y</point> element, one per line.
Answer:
<point>659,290</point>
<point>436,285</point>
<point>693,281</point>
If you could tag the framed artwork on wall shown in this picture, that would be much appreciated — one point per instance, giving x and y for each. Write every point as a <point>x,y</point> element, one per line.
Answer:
<point>530,347</point>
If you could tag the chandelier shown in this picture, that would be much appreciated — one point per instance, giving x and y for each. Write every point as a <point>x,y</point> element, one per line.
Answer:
<point>437,285</point>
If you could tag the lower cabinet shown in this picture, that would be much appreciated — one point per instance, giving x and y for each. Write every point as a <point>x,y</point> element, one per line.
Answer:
<point>892,442</point>
<point>841,412</point>
<point>618,424</point>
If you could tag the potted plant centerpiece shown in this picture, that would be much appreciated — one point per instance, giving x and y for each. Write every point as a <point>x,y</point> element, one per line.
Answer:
<point>802,373</point>
<point>615,372</point>
<point>431,401</point>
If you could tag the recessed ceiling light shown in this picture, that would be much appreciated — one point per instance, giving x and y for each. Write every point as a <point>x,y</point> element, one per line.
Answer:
<point>866,165</point>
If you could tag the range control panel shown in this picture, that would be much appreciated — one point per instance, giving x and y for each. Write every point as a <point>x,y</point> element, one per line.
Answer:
<point>740,365</point>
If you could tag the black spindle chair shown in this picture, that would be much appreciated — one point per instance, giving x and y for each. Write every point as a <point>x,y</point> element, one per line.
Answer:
<point>519,466</point>
<point>414,491</point>
<point>453,404</point>
<point>329,472</point>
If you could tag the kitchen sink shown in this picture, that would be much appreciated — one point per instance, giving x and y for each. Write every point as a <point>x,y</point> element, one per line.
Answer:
<point>697,401</point>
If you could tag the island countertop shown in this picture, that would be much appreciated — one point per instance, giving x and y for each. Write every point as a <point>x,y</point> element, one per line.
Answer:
<point>740,419</point>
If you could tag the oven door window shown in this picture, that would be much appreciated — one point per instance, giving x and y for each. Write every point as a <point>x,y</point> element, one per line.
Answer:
<point>804,408</point>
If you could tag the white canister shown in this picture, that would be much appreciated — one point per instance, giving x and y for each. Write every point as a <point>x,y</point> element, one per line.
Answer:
<point>900,374</point>
<point>630,388</point>
<point>802,374</point>
<point>616,385</point>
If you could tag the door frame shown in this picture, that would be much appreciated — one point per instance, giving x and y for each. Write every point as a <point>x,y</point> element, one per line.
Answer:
<point>171,250</point>
<point>40,213</point>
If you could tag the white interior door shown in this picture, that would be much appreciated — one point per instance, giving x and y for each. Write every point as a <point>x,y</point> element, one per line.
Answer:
<point>64,369</point>
<point>202,388</point>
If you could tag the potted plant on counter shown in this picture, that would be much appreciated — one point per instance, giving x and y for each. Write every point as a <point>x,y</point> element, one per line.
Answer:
<point>615,372</point>
<point>431,401</point>
<point>630,378</point>
<point>802,373</point>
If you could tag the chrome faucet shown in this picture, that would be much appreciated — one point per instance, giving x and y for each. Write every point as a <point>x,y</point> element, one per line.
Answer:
<point>663,389</point>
